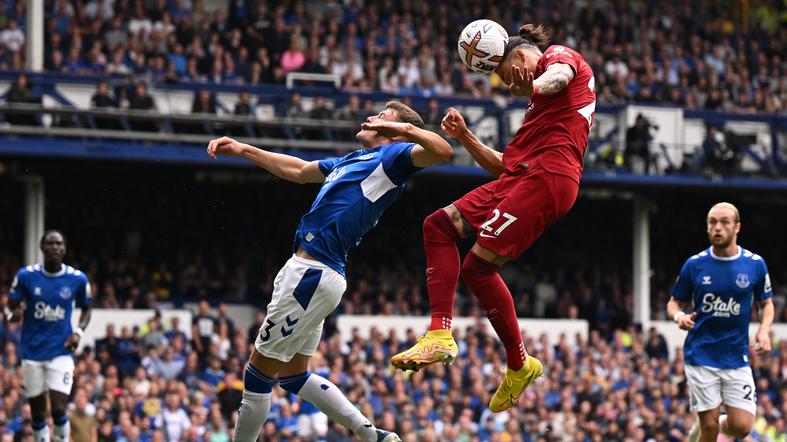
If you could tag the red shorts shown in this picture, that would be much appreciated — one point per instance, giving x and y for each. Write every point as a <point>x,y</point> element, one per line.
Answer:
<point>510,213</point>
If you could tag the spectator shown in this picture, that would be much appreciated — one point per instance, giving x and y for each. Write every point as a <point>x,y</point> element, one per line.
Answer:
<point>82,418</point>
<point>244,106</point>
<point>293,58</point>
<point>12,37</point>
<point>204,103</point>
<point>312,64</point>
<point>203,325</point>
<point>434,115</point>
<point>719,152</point>
<point>656,346</point>
<point>21,93</point>
<point>637,154</point>
<point>173,419</point>
<point>140,100</point>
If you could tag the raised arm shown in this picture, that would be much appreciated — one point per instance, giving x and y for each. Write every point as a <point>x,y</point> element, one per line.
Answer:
<point>286,167</point>
<point>491,160</point>
<point>553,80</point>
<point>430,147</point>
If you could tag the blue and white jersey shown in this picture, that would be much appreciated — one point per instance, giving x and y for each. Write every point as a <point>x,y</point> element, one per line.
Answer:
<point>723,290</point>
<point>358,188</point>
<point>50,299</point>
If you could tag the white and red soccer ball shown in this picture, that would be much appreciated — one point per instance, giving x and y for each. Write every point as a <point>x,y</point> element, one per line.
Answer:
<point>481,45</point>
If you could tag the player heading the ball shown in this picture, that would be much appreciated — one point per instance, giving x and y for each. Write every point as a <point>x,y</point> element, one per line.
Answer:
<point>537,182</point>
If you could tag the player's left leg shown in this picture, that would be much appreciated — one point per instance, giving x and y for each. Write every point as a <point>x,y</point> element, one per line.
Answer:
<point>59,404</point>
<point>480,272</point>
<point>60,380</point>
<point>295,377</point>
<point>739,395</point>
<point>531,204</point>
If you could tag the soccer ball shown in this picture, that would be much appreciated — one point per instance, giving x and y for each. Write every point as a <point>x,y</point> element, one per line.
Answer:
<point>481,45</point>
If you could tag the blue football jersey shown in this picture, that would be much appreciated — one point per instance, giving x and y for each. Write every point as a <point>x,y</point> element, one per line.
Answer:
<point>723,290</point>
<point>358,188</point>
<point>49,299</point>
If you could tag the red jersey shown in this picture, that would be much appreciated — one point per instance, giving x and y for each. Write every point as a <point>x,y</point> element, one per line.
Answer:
<point>554,134</point>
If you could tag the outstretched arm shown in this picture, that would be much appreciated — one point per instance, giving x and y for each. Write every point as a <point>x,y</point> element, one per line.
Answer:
<point>491,160</point>
<point>286,167</point>
<point>553,80</point>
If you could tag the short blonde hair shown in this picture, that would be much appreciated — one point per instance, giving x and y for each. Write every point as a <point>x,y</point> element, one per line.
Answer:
<point>726,205</point>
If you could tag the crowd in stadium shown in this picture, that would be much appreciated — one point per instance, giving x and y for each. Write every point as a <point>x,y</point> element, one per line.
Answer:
<point>152,383</point>
<point>699,55</point>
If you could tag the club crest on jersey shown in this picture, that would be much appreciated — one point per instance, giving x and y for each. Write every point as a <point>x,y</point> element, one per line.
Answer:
<point>37,291</point>
<point>742,280</point>
<point>65,293</point>
<point>720,308</point>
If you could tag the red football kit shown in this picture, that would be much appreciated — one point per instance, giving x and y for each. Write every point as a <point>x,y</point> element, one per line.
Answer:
<point>543,164</point>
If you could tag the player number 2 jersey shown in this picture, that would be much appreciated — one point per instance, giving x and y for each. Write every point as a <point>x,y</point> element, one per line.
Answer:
<point>723,290</point>
<point>554,134</point>
<point>49,299</point>
<point>358,188</point>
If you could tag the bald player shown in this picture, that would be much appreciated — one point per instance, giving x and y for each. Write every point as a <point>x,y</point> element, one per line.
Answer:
<point>712,300</point>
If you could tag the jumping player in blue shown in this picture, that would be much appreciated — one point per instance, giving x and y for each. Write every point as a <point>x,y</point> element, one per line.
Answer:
<point>45,295</point>
<point>722,282</point>
<point>356,189</point>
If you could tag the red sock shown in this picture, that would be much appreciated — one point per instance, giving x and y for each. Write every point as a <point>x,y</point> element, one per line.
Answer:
<point>442,267</point>
<point>487,285</point>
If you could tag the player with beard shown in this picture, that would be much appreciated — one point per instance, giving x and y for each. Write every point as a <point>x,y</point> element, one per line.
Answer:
<point>718,286</point>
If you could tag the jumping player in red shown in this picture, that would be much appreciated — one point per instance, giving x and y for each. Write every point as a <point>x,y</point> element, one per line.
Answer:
<point>537,182</point>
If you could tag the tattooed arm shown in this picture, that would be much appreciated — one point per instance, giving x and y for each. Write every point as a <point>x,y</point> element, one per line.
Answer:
<point>552,81</point>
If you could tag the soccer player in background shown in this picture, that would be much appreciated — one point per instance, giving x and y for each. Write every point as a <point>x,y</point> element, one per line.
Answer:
<point>45,295</point>
<point>356,189</point>
<point>537,182</point>
<point>718,286</point>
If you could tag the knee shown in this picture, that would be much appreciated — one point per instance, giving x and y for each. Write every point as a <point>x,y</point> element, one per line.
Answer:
<point>711,427</point>
<point>38,414</point>
<point>58,410</point>
<point>438,225</point>
<point>738,430</point>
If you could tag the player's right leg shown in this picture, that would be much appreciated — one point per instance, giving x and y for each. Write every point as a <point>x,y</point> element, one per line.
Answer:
<point>59,381</point>
<point>34,381</point>
<point>442,230</point>
<point>705,398</point>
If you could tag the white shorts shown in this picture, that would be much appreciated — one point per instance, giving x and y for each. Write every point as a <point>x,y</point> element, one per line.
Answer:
<point>41,376</point>
<point>711,387</point>
<point>304,293</point>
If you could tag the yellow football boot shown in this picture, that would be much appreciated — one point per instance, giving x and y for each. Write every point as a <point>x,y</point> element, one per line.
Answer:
<point>514,383</point>
<point>436,346</point>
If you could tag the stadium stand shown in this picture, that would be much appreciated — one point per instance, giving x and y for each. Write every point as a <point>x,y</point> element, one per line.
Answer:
<point>693,93</point>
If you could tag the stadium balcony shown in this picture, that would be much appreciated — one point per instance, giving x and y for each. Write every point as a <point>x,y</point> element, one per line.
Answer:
<point>676,147</point>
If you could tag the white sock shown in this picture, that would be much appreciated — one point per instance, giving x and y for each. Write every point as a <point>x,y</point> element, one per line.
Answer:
<point>253,413</point>
<point>41,435</point>
<point>62,432</point>
<point>330,400</point>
